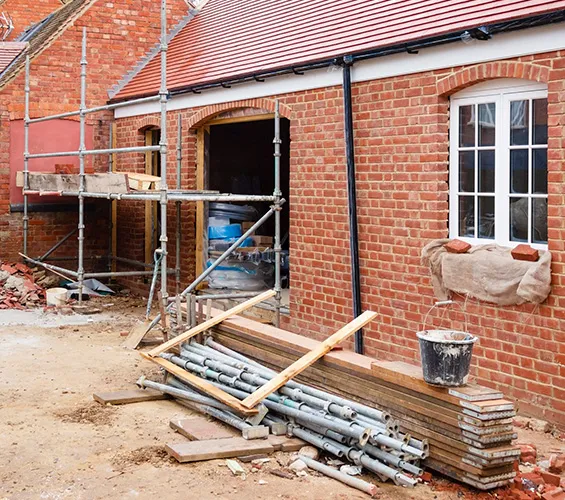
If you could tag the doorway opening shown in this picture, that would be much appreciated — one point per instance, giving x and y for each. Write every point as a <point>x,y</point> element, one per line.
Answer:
<point>238,159</point>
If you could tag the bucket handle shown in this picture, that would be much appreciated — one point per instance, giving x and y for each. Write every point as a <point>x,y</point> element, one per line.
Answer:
<point>445,303</point>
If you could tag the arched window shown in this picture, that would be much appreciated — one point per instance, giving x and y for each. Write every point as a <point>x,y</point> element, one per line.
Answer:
<point>498,163</point>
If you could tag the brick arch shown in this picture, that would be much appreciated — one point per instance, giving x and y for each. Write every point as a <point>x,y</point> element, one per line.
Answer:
<point>147,122</point>
<point>498,69</point>
<point>209,112</point>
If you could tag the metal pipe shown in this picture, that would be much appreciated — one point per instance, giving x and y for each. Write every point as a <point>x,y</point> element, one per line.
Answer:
<point>317,441</point>
<point>352,199</point>
<point>132,262</point>
<point>331,423</point>
<point>116,274</point>
<point>178,205</point>
<point>91,152</point>
<point>380,439</point>
<point>57,245</point>
<point>277,194</point>
<point>358,407</point>
<point>110,205</point>
<point>354,482</point>
<point>50,267</point>
<point>82,179</point>
<point>220,296</point>
<point>163,95</point>
<point>96,109</point>
<point>258,380</point>
<point>391,459</point>
<point>180,392</point>
<point>173,196</point>
<point>26,153</point>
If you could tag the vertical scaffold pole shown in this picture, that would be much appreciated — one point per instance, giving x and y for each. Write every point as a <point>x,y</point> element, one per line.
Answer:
<point>26,155</point>
<point>163,94</point>
<point>110,205</point>
<point>82,187</point>
<point>277,194</point>
<point>178,207</point>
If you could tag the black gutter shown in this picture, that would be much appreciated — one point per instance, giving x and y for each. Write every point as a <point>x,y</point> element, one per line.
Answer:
<point>352,199</point>
<point>410,47</point>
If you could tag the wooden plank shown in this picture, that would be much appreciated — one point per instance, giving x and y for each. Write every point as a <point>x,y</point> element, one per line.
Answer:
<point>285,443</point>
<point>410,377</point>
<point>143,182</point>
<point>136,335</point>
<point>489,406</point>
<point>96,183</point>
<point>201,429</point>
<point>196,451</point>
<point>128,396</point>
<point>308,359</point>
<point>241,119</point>
<point>183,337</point>
<point>202,385</point>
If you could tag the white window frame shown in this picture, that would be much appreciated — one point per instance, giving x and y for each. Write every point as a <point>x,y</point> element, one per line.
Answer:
<point>502,92</point>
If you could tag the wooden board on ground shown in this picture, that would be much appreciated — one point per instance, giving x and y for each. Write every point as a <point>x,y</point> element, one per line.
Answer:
<point>308,359</point>
<point>202,385</point>
<point>196,451</point>
<point>128,396</point>
<point>94,183</point>
<point>201,429</point>
<point>136,335</point>
<point>183,337</point>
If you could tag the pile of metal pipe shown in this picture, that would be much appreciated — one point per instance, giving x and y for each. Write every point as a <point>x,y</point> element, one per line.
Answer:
<point>347,429</point>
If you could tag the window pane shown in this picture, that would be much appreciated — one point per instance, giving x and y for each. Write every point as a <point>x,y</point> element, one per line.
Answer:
<point>486,171</point>
<point>467,216</point>
<point>467,171</point>
<point>486,217</point>
<point>519,171</point>
<point>466,126</point>
<point>519,122</point>
<point>487,120</point>
<point>539,220</point>
<point>519,219</point>
<point>539,165</point>
<point>539,120</point>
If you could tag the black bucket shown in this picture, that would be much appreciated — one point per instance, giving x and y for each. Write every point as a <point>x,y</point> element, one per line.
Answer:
<point>446,356</point>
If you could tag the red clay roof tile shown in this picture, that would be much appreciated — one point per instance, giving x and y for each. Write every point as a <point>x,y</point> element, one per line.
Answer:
<point>231,38</point>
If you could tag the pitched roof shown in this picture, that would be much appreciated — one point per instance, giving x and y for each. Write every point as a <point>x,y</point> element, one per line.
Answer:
<point>42,34</point>
<point>229,39</point>
<point>8,52</point>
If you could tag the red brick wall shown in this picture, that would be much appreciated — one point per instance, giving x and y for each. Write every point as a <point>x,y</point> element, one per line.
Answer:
<point>119,34</point>
<point>25,13</point>
<point>401,139</point>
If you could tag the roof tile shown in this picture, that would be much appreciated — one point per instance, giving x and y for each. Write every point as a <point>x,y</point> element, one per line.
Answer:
<point>228,38</point>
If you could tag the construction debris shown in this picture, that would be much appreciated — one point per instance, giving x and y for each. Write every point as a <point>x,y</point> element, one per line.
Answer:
<point>21,287</point>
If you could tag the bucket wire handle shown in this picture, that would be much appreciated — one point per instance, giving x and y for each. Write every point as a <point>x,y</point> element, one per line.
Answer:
<point>445,303</point>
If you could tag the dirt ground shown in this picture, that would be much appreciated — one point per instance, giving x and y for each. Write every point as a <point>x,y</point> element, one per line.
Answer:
<point>57,443</point>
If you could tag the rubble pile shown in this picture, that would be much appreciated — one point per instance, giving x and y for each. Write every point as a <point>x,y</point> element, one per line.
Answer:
<point>22,287</point>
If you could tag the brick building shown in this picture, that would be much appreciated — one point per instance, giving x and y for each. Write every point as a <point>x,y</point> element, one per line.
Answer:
<point>420,74</point>
<point>50,31</point>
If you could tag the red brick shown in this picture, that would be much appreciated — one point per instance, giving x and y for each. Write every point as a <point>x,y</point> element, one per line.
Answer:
<point>550,478</point>
<point>457,246</point>
<point>525,252</point>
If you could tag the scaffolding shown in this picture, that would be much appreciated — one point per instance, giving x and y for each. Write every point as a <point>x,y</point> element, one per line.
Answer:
<point>163,196</point>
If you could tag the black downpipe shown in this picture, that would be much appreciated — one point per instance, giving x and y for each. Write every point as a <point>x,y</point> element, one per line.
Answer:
<point>352,198</point>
